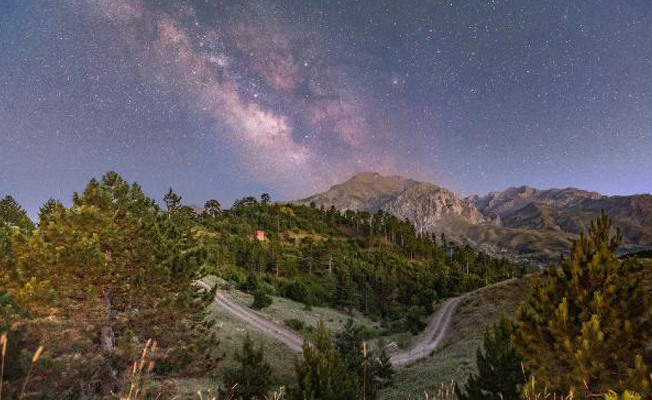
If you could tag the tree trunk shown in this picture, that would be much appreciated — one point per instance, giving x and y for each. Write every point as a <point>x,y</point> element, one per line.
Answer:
<point>107,345</point>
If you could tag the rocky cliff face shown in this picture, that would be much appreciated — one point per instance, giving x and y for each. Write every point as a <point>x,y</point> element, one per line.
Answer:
<point>570,211</point>
<point>432,208</point>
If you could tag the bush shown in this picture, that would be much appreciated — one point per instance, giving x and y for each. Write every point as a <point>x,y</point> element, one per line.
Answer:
<point>413,321</point>
<point>261,300</point>
<point>499,367</point>
<point>298,325</point>
<point>295,324</point>
<point>250,285</point>
<point>253,375</point>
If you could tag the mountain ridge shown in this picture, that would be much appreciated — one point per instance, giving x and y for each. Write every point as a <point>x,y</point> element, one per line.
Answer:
<point>522,221</point>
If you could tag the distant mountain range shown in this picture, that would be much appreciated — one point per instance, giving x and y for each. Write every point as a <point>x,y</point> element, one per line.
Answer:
<point>517,222</point>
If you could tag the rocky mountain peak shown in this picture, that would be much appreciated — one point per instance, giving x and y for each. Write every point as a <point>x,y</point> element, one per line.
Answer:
<point>431,208</point>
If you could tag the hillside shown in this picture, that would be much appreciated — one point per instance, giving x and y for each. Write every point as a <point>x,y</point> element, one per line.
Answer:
<point>570,211</point>
<point>455,359</point>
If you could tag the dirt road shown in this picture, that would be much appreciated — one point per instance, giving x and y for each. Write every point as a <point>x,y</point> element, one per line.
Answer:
<point>431,337</point>
<point>257,321</point>
<point>428,340</point>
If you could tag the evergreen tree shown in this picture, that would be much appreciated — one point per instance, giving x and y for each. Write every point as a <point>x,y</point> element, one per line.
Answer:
<point>585,325</point>
<point>413,322</point>
<point>5,244</point>
<point>320,373</point>
<point>213,208</point>
<point>111,269</point>
<point>261,300</point>
<point>372,371</point>
<point>382,369</point>
<point>252,377</point>
<point>499,367</point>
<point>172,201</point>
<point>50,207</point>
<point>11,213</point>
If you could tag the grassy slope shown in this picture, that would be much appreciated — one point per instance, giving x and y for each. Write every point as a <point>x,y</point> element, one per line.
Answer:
<point>456,358</point>
<point>232,332</point>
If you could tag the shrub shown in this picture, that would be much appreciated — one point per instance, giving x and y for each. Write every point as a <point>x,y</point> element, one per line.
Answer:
<point>261,300</point>
<point>295,324</point>
<point>252,377</point>
<point>413,322</point>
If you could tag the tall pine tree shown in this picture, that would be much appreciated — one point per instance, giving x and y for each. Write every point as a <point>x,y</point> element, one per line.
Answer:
<point>585,325</point>
<point>103,276</point>
<point>251,378</point>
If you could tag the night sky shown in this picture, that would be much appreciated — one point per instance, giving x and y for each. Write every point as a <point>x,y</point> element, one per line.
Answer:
<point>222,99</point>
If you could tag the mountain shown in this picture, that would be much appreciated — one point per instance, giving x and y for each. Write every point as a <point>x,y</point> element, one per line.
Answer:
<point>366,191</point>
<point>432,208</point>
<point>517,222</point>
<point>570,211</point>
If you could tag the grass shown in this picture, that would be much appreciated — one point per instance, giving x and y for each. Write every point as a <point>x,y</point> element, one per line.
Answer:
<point>283,309</point>
<point>455,359</point>
<point>232,332</point>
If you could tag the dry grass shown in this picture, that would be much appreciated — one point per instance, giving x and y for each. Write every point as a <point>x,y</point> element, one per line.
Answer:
<point>35,357</point>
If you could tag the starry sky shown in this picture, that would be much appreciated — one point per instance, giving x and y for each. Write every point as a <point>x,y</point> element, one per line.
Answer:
<point>227,98</point>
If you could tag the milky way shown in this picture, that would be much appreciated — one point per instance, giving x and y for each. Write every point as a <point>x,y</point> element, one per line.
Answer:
<point>221,99</point>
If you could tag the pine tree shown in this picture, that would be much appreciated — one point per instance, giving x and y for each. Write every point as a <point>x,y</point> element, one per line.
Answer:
<point>213,208</point>
<point>261,299</point>
<point>372,371</point>
<point>382,370</point>
<point>252,377</point>
<point>320,373</point>
<point>50,207</point>
<point>11,213</point>
<point>172,201</point>
<point>115,271</point>
<point>585,325</point>
<point>499,367</point>
<point>413,321</point>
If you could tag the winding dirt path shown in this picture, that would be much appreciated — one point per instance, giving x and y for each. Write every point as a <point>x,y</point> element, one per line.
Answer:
<point>428,342</point>
<point>431,337</point>
<point>258,321</point>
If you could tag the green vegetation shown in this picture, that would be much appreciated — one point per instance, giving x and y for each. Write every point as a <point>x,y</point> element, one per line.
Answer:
<point>12,214</point>
<point>586,326</point>
<point>455,359</point>
<point>252,378</point>
<point>98,279</point>
<point>95,281</point>
<point>321,372</point>
<point>261,300</point>
<point>499,364</point>
<point>373,370</point>
<point>375,264</point>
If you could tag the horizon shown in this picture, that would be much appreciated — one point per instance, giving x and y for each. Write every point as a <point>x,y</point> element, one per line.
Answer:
<point>33,211</point>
